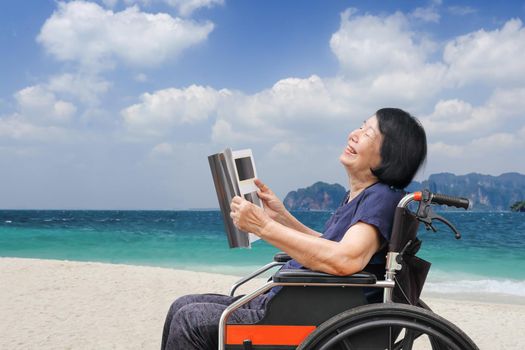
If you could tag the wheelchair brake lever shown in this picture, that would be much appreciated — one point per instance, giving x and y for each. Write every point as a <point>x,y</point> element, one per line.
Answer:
<point>429,226</point>
<point>425,214</point>
<point>449,224</point>
<point>431,215</point>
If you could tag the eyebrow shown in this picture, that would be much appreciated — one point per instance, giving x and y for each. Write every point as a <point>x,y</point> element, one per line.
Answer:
<point>369,126</point>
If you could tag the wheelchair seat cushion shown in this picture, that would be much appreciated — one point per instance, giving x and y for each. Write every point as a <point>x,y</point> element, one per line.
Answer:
<point>308,276</point>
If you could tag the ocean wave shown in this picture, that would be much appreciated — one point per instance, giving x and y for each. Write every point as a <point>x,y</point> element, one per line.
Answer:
<point>477,286</point>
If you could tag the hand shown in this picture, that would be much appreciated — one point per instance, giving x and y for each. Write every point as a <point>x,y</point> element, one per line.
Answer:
<point>247,216</point>
<point>272,205</point>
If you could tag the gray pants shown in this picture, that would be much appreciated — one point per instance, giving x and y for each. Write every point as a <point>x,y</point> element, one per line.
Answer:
<point>192,322</point>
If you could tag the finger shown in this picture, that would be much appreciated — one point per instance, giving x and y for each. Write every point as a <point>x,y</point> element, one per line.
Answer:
<point>263,195</point>
<point>260,184</point>
<point>237,200</point>
<point>234,206</point>
<point>244,205</point>
<point>234,219</point>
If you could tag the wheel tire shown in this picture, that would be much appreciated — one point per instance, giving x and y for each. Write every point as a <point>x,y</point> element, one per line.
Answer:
<point>365,327</point>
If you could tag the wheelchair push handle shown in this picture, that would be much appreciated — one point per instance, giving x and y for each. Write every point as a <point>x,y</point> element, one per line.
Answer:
<point>443,199</point>
<point>424,213</point>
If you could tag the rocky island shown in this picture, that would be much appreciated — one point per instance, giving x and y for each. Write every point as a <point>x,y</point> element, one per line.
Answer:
<point>486,192</point>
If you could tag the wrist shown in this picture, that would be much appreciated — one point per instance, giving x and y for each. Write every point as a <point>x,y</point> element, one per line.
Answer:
<point>286,218</point>
<point>266,228</point>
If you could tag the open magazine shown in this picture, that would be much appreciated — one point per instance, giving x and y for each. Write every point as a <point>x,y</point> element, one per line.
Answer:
<point>233,174</point>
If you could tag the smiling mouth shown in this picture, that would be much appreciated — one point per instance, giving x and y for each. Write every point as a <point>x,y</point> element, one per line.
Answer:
<point>350,150</point>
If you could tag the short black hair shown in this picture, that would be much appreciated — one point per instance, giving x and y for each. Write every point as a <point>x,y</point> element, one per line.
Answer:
<point>404,147</point>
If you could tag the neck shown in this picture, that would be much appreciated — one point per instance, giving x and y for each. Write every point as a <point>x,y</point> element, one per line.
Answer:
<point>357,185</point>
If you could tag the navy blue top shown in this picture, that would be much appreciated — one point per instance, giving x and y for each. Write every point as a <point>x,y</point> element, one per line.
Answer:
<point>375,205</point>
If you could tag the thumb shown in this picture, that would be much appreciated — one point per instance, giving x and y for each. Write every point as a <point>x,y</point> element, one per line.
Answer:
<point>264,195</point>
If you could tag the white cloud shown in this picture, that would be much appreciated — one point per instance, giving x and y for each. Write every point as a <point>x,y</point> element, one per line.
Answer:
<point>427,14</point>
<point>110,3</point>
<point>40,116</point>
<point>283,149</point>
<point>440,148</point>
<point>41,106</point>
<point>84,32</point>
<point>85,87</point>
<point>299,122</point>
<point>186,7</point>
<point>369,45</point>
<point>392,68</point>
<point>162,149</point>
<point>223,133</point>
<point>385,61</point>
<point>494,154</point>
<point>492,57</point>
<point>289,101</point>
<point>16,127</point>
<point>271,113</point>
<point>461,10</point>
<point>498,142</point>
<point>456,117</point>
<point>165,109</point>
<point>388,61</point>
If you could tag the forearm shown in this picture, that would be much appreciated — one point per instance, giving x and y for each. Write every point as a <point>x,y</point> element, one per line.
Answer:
<point>291,221</point>
<point>310,250</point>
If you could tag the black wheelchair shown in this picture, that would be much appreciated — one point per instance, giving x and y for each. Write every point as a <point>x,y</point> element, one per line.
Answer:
<point>315,310</point>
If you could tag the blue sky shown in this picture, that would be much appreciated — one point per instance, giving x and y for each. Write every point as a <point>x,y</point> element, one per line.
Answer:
<point>118,103</point>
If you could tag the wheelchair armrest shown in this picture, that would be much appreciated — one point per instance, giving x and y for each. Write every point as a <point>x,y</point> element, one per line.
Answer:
<point>281,257</point>
<point>308,276</point>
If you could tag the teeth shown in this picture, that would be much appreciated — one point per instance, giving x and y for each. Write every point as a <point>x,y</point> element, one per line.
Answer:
<point>350,150</point>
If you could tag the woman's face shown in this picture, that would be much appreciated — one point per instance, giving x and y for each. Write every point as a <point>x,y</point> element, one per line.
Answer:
<point>363,149</point>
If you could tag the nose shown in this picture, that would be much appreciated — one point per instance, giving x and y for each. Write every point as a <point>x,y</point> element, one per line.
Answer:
<point>354,135</point>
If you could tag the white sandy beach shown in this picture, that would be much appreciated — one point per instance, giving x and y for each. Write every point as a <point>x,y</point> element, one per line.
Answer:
<point>48,304</point>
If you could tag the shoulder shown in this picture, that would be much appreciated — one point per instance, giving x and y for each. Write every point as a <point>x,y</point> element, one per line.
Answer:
<point>378,206</point>
<point>382,193</point>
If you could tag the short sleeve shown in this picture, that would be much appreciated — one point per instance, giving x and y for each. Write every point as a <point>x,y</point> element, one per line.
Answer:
<point>377,208</point>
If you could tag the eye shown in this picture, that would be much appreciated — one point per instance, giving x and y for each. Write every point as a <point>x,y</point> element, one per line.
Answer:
<point>369,133</point>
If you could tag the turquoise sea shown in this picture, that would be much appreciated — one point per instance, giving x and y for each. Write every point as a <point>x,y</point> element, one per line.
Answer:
<point>490,258</point>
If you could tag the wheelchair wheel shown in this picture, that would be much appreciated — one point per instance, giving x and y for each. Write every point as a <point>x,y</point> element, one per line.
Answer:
<point>387,326</point>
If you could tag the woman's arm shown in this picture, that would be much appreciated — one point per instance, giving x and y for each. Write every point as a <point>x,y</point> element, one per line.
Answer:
<point>277,211</point>
<point>292,222</point>
<point>346,257</point>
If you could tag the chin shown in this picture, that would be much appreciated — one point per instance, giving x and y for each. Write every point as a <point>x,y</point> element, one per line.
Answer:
<point>344,159</point>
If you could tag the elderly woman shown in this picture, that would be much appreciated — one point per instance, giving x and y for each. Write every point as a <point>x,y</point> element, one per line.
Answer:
<point>380,158</point>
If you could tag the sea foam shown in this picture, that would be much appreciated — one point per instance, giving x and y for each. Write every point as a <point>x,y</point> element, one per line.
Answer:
<point>477,286</point>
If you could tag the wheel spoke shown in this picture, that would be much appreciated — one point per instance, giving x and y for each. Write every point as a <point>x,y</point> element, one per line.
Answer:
<point>408,340</point>
<point>390,336</point>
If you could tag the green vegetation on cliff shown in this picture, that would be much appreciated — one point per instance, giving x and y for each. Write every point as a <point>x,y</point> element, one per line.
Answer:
<point>518,206</point>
